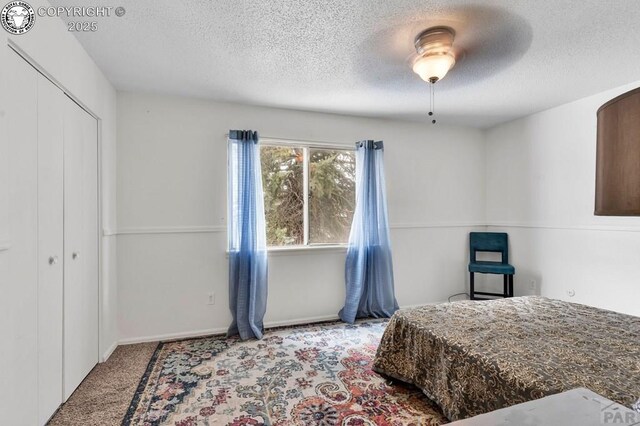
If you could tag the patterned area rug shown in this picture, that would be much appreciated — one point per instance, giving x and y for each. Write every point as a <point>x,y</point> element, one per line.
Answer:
<point>314,375</point>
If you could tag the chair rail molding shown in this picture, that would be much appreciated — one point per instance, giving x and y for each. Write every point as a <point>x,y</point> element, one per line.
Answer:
<point>567,227</point>
<point>207,229</point>
<point>437,225</point>
<point>142,230</point>
<point>170,230</point>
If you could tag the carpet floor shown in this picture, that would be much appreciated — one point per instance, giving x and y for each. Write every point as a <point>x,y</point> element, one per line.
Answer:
<point>317,375</point>
<point>103,397</point>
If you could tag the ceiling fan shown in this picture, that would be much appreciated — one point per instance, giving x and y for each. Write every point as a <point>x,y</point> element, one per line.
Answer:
<point>435,57</point>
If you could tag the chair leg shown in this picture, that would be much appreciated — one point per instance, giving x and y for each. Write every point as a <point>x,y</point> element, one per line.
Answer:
<point>510,285</point>
<point>505,291</point>
<point>471,287</point>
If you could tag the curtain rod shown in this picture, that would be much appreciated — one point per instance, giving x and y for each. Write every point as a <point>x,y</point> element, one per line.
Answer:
<point>319,144</point>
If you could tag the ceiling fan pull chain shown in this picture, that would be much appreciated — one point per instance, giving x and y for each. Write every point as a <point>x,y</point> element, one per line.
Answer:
<point>432,101</point>
<point>433,106</point>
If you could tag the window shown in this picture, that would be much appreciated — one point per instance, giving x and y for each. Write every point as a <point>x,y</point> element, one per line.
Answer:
<point>309,194</point>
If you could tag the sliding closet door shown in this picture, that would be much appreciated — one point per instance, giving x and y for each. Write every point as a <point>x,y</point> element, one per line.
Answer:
<point>80,245</point>
<point>50,248</point>
<point>19,294</point>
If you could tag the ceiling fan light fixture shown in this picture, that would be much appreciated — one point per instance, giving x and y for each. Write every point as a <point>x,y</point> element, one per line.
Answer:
<point>432,68</point>
<point>434,47</point>
<point>436,57</point>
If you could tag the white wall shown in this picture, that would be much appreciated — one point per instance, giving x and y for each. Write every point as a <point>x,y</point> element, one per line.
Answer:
<point>541,188</point>
<point>57,51</point>
<point>171,167</point>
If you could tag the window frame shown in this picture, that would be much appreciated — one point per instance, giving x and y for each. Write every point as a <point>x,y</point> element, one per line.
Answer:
<point>306,146</point>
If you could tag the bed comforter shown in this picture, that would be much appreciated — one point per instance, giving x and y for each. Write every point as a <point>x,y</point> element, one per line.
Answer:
<point>473,357</point>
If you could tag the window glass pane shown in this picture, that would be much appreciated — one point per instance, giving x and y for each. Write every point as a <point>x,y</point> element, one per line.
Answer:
<point>283,183</point>
<point>332,175</point>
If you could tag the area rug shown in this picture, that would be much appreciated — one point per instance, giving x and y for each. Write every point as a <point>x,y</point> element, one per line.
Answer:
<point>314,375</point>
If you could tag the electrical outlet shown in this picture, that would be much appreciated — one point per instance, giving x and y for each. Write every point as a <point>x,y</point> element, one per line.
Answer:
<point>571,293</point>
<point>211,300</point>
<point>532,284</point>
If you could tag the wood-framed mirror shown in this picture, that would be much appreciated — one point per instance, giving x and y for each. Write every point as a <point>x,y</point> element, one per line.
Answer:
<point>618,156</point>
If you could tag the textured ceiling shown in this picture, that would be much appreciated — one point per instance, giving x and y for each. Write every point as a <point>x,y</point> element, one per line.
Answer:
<point>352,56</point>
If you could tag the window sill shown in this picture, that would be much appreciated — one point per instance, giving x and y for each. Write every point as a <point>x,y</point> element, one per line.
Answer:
<point>325,248</point>
<point>301,250</point>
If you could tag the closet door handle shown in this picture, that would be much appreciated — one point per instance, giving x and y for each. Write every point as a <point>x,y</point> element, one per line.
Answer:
<point>75,255</point>
<point>53,260</point>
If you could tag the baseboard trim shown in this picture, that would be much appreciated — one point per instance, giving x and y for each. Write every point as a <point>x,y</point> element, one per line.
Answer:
<point>419,305</point>
<point>109,352</point>
<point>172,336</point>
<point>223,330</point>
<point>310,320</point>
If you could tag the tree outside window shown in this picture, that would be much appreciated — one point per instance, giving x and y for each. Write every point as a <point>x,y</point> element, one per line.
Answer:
<point>309,194</point>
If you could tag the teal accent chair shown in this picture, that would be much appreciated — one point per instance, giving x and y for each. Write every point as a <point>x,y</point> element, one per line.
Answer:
<point>497,242</point>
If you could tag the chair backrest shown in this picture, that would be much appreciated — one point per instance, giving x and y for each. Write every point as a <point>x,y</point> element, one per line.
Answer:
<point>489,241</point>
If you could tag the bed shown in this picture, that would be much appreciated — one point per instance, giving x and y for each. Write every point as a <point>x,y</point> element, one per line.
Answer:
<point>473,357</point>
